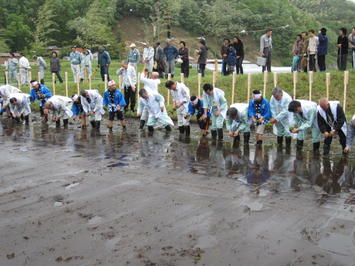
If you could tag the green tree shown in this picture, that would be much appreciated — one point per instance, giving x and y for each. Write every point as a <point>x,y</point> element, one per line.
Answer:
<point>17,34</point>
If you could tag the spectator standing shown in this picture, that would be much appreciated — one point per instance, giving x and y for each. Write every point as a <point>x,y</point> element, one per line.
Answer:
<point>171,53</point>
<point>304,56</point>
<point>24,66</point>
<point>86,64</point>
<point>202,53</point>
<point>343,47</point>
<point>75,61</point>
<point>129,81</point>
<point>42,66</point>
<point>266,48</point>
<point>11,66</point>
<point>148,57</point>
<point>296,53</point>
<point>133,56</point>
<point>231,59</point>
<point>322,49</point>
<point>55,66</point>
<point>104,61</point>
<point>352,46</point>
<point>184,56</point>
<point>159,58</point>
<point>239,47</point>
<point>312,50</point>
<point>224,54</point>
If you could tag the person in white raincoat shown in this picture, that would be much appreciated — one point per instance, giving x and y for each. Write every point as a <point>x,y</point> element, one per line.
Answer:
<point>305,117</point>
<point>92,103</point>
<point>24,66</point>
<point>238,122</point>
<point>280,116</point>
<point>42,65</point>
<point>151,85</point>
<point>350,135</point>
<point>331,121</point>
<point>214,100</point>
<point>5,92</point>
<point>180,95</point>
<point>148,57</point>
<point>154,103</point>
<point>11,66</point>
<point>61,108</point>
<point>19,104</point>
<point>86,63</point>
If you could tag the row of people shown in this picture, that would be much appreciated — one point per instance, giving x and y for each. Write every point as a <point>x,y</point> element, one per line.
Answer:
<point>290,118</point>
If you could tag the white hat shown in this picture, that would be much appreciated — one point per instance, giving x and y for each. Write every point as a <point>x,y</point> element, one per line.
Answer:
<point>132,45</point>
<point>111,83</point>
<point>34,83</point>
<point>75,97</point>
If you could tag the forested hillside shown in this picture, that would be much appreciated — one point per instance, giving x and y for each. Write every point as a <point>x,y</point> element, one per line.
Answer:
<point>32,25</point>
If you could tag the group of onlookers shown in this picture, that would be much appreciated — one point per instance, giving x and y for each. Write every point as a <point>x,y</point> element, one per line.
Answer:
<point>310,50</point>
<point>232,53</point>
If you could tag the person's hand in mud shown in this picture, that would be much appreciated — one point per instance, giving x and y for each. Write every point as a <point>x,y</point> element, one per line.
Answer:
<point>295,131</point>
<point>253,119</point>
<point>133,88</point>
<point>273,120</point>
<point>236,134</point>
<point>54,119</point>
<point>333,133</point>
<point>186,116</point>
<point>230,133</point>
<point>162,108</point>
<point>218,113</point>
<point>118,108</point>
<point>326,134</point>
<point>347,149</point>
<point>74,117</point>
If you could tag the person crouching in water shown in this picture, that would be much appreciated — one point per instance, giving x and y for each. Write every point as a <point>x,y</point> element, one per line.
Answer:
<point>154,103</point>
<point>238,122</point>
<point>115,103</point>
<point>40,93</point>
<point>259,113</point>
<point>92,103</point>
<point>19,106</point>
<point>196,108</point>
<point>181,96</point>
<point>61,109</point>
<point>78,111</point>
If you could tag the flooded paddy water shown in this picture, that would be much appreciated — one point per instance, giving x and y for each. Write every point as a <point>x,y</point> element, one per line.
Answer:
<point>124,198</point>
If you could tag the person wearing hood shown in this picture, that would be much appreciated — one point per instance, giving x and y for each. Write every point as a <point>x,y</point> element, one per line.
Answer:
<point>86,64</point>
<point>279,102</point>
<point>155,106</point>
<point>42,66</point>
<point>350,135</point>
<point>180,95</point>
<point>305,117</point>
<point>215,102</point>
<point>19,105</point>
<point>11,66</point>
<point>40,93</point>
<point>322,49</point>
<point>133,56</point>
<point>196,108</point>
<point>238,123</point>
<point>92,103</point>
<point>259,112</point>
<point>24,66</point>
<point>148,57</point>
<point>331,121</point>
<point>202,53</point>
<point>61,108</point>
<point>115,104</point>
<point>75,58</point>
<point>104,61</point>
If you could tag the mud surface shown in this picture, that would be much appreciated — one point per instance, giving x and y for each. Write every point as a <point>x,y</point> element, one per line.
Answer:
<point>73,197</point>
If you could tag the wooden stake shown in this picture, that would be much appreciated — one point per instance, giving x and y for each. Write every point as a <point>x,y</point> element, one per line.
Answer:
<point>234,78</point>
<point>346,82</point>
<point>19,80</point>
<point>120,82</point>
<point>327,83</point>
<point>85,73</point>
<point>66,85</point>
<point>78,84</point>
<point>6,77</point>
<point>90,85</point>
<point>294,84</point>
<point>249,87</point>
<point>53,83</point>
<point>265,83</point>
<point>168,97</point>
<point>38,76</point>
<point>30,78</point>
<point>182,78</point>
<point>214,79</point>
<point>199,81</point>
<point>310,77</point>
<point>275,79</point>
<point>216,65</point>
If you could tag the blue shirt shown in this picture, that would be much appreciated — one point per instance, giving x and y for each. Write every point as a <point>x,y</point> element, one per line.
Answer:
<point>112,100</point>
<point>77,109</point>
<point>42,94</point>
<point>323,44</point>
<point>171,52</point>
<point>103,58</point>
<point>198,109</point>
<point>265,111</point>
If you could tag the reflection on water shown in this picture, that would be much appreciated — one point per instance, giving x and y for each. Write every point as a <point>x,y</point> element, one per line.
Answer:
<point>132,148</point>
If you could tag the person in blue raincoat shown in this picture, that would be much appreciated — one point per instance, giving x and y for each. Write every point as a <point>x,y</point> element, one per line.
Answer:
<point>115,103</point>
<point>195,107</point>
<point>231,59</point>
<point>40,93</point>
<point>259,112</point>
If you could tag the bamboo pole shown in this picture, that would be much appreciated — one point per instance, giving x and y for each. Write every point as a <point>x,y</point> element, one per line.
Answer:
<point>19,80</point>
<point>310,78</point>
<point>120,82</point>
<point>90,84</point>
<point>214,78</point>
<point>275,79</point>
<point>234,78</point>
<point>327,83</point>
<point>346,82</point>
<point>53,83</point>
<point>168,96</point>
<point>182,78</point>
<point>30,78</point>
<point>265,83</point>
<point>39,76</point>
<point>78,84</point>
<point>85,73</point>
<point>249,87</point>
<point>6,77</point>
<point>66,85</point>
<point>216,65</point>
<point>295,84</point>
<point>199,81</point>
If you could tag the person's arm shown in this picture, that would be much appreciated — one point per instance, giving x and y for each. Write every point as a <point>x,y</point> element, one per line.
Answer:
<point>222,103</point>
<point>108,58</point>
<point>322,125</point>
<point>262,44</point>
<point>47,92</point>
<point>85,104</point>
<point>98,102</point>
<point>122,102</point>
<point>341,118</point>
<point>12,109</point>
<point>351,136</point>
<point>229,124</point>
<point>160,100</point>
<point>33,95</point>
<point>138,57</point>
<point>267,112</point>
<point>105,101</point>
<point>75,109</point>
<point>131,75</point>
<point>191,109</point>
<point>310,121</point>
<point>251,111</point>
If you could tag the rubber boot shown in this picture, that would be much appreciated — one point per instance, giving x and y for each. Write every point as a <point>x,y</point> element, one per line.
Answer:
<point>182,129</point>
<point>279,143</point>
<point>187,131</point>
<point>299,145</point>
<point>236,141</point>
<point>57,124</point>
<point>93,124</point>
<point>65,123</point>
<point>220,134</point>
<point>326,149</point>
<point>214,134</point>
<point>110,129</point>
<point>168,128</point>
<point>316,147</point>
<point>246,138</point>
<point>150,130</point>
<point>97,125</point>
<point>141,124</point>
<point>288,144</point>
<point>27,120</point>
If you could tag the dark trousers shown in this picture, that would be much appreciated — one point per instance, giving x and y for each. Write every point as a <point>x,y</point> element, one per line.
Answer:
<point>312,62</point>
<point>103,71</point>
<point>185,68</point>
<point>57,73</point>
<point>321,63</point>
<point>239,65</point>
<point>130,98</point>
<point>342,140</point>
<point>267,55</point>
<point>224,68</point>
<point>201,69</point>
<point>203,124</point>
<point>342,58</point>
